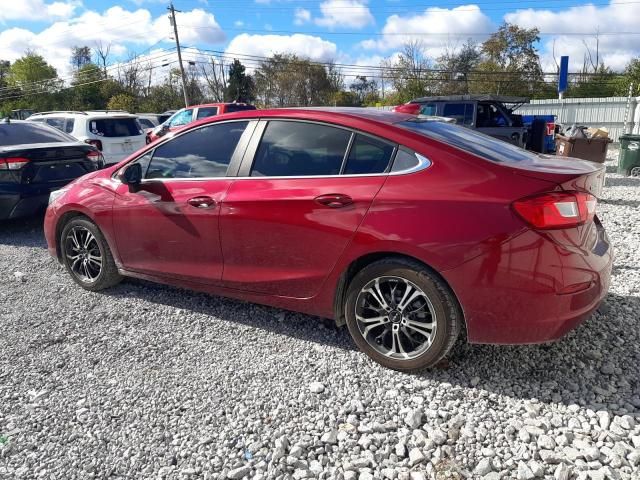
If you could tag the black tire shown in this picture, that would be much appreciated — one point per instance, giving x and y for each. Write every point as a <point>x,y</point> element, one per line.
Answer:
<point>438,298</point>
<point>108,275</point>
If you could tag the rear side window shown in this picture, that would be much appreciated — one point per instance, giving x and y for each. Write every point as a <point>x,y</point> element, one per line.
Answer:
<point>26,133</point>
<point>368,155</point>
<point>462,112</point>
<point>115,127</point>
<point>205,112</point>
<point>469,140</point>
<point>300,149</point>
<point>234,107</point>
<point>405,160</point>
<point>201,153</point>
<point>68,126</point>
<point>55,123</point>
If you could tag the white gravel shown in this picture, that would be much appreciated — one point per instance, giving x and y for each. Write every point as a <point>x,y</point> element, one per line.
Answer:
<point>145,382</point>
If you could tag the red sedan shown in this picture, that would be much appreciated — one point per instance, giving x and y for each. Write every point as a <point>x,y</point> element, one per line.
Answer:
<point>406,229</point>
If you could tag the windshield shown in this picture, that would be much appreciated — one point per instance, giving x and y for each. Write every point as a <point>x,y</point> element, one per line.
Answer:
<point>25,133</point>
<point>469,140</point>
<point>115,127</point>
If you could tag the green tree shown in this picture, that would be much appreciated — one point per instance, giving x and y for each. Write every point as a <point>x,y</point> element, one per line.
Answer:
<point>240,86</point>
<point>510,65</point>
<point>80,56</point>
<point>30,69</point>
<point>86,92</point>
<point>364,90</point>
<point>457,65</point>
<point>123,101</point>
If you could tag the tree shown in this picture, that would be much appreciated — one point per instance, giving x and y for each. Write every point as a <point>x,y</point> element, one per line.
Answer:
<point>123,101</point>
<point>410,75</point>
<point>215,77</point>
<point>80,56</point>
<point>364,90</point>
<point>630,75</point>
<point>5,67</point>
<point>457,65</point>
<point>102,52</point>
<point>510,65</point>
<point>29,69</point>
<point>240,86</point>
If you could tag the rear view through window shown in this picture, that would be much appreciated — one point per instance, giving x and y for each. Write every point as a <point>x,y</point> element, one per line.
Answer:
<point>24,133</point>
<point>115,127</point>
<point>466,139</point>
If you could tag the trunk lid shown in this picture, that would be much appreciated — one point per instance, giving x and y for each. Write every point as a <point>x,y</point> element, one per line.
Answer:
<point>119,135</point>
<point>49,163</point>
<point>571,174</point>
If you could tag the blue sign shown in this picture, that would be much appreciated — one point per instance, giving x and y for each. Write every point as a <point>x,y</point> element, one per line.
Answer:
<point>563,80</point>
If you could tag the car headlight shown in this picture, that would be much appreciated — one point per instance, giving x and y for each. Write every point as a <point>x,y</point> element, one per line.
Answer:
<point>56,194</point>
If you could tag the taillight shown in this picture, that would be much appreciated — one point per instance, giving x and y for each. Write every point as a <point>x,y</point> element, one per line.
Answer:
<point>13,163</point>
<point>94,156</point>
<point>95,143</point>
<point>557,209</point>
<point>412,108</point>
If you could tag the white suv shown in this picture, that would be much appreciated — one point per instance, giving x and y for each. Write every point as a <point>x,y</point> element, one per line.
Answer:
<point>116,134</point>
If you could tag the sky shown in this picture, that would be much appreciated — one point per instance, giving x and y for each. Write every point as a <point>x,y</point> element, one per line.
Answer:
<point>353,32</point>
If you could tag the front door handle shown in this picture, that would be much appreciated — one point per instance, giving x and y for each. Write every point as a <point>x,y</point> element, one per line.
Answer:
<point>334,200</point>
<point>202,202</point>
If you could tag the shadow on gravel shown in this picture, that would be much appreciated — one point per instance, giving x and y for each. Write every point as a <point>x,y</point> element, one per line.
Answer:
<point>23,232</point>
<point>620,202</point>
<point>594,366</point>
<point>622,182</point>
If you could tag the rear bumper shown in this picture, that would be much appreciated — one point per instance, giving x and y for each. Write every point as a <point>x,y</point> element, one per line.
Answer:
<point>515,294</point>
<point>20,205</point>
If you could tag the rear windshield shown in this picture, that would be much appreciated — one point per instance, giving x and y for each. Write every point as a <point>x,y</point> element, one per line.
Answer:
<point>238,108</point>
<point>115,127</point>
<point>466,139</point>
<point>24,133</point>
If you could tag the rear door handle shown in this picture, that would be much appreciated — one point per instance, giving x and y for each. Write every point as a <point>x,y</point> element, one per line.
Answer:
<point>334,200</point>
<point>202,202</point>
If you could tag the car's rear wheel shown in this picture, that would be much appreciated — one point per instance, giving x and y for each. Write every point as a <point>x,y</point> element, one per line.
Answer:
<point>86,255</point>
<point>402,315</point>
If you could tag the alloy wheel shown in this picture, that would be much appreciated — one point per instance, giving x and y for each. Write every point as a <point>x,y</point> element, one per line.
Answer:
<point>83,254</point>
<point>395,317</point>
<point>635,172</point>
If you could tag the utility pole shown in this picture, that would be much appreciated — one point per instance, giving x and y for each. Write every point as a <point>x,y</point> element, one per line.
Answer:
<point>172,19</point>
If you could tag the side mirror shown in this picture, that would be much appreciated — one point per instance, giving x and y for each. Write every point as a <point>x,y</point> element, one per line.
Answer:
<point>132,174</point>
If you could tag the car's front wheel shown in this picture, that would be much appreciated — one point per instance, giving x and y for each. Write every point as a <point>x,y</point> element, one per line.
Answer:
<point>86,255</point>
<point>402,315</point>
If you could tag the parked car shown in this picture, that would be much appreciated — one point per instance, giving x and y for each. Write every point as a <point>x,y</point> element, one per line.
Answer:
<point>187,115</point>
<point>488,114</point>
<point>148,121</point>
<point>115,133</point>
<point>406,229</point>
<point>35,160</point>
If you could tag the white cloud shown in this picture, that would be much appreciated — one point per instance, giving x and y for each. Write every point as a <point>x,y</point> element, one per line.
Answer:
<point>307,46</point>
<point>615,50</point>
<point>344,13</point>
<point>437,28</point>
<point>121,28</point>
<point>37,9</point>
<point>301,16</point>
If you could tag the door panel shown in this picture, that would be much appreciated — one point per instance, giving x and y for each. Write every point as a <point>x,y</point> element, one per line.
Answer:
<point>277,239</point>
<point>159,231</point>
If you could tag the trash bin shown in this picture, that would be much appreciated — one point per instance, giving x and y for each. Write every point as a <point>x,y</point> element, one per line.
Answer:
<point>593,149</point>
<point>629,159</point>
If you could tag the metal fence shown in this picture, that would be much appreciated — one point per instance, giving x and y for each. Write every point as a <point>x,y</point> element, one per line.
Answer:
<point>616,114</point>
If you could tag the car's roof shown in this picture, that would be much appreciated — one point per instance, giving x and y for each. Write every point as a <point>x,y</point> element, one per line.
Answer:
<point>219,104</point>
<point>325,113</point>
<point>84,114</point>
<point>476,98</point>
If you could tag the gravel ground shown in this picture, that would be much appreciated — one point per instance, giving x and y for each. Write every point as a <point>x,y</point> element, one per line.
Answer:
<point>145,381</point>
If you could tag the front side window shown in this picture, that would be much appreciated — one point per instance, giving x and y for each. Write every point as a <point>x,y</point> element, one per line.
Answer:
<point>368,155</point>
<point>181,118</point>
<point>201,153</point>
<point>462,112</point>
<point>204,112</point>
<point>300,149</point>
